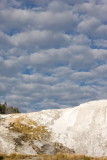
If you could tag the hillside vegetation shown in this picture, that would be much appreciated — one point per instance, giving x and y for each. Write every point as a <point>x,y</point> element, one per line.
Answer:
<point>29,130</point>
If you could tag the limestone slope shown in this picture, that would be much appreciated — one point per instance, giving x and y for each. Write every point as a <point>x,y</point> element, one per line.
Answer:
<point>82,128</point>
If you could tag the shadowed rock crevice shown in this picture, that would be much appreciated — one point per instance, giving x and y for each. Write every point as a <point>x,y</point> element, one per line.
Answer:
<point>54,148</point>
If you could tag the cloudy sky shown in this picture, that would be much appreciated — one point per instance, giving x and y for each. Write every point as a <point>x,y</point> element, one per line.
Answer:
<point>53,53</point>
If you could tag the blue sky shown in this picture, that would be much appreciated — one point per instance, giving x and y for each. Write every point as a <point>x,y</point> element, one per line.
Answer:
<point>53,53</point>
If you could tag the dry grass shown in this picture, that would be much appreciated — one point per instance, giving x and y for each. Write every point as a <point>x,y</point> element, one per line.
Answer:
<point>29,129</point>
<point>14,157</point>
<point>58,156</point>
<point>61,156</point>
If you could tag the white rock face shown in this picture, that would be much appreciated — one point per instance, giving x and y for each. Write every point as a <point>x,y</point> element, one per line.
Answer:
<point>82,128</point>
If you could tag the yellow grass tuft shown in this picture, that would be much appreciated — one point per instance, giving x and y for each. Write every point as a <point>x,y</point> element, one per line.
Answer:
<point>29,130</point>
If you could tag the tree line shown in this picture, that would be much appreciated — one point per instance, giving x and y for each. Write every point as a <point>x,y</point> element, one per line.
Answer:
<point>5,109</point>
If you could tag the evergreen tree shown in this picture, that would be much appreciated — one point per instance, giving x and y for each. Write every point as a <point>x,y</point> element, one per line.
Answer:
<point>5,109</point>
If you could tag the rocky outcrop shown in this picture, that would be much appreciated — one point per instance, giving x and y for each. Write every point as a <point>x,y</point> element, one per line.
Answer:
<point>54,148</point>
<point>22,135</point>
<point>82,129</point>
